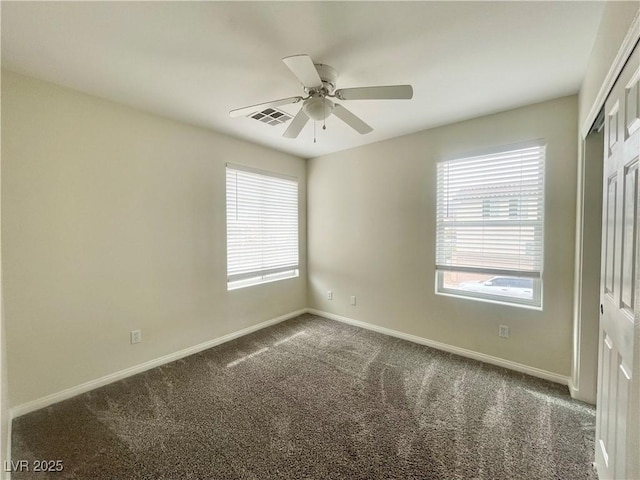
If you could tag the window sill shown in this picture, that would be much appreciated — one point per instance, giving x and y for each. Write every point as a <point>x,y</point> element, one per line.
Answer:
<point>495,301</point>
<point>250,282</point>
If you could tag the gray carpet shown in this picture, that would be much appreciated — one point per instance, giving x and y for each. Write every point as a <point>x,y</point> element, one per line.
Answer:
<point>311,398</point>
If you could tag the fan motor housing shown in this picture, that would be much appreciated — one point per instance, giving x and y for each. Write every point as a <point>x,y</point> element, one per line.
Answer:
<point>328,75</point>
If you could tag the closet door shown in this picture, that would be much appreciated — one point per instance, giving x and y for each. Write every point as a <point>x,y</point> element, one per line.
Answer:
<point>616,382</point>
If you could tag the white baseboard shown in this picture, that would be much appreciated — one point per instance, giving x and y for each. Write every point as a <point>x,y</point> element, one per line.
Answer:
<point>577,394</point>
<point>128,372</point>
<point>463,352</point>
<point>572,388</point>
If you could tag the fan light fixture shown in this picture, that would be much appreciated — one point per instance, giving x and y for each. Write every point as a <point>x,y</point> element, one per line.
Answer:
<point>318,108</point>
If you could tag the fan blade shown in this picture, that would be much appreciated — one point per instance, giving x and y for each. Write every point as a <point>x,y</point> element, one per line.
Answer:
<point>350,119</point>
<point>303,68</point>
<point>239,112</point>
<point>296,125</point>
<point>388,92</point>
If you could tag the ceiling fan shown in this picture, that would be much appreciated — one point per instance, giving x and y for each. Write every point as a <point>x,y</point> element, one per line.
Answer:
<point>319,84</point>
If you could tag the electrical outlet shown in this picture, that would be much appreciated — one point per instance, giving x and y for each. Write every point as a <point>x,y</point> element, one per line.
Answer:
<point>136,336</point>
<point>330,295</point>
<point>503,331</point>
<point>353,300</point>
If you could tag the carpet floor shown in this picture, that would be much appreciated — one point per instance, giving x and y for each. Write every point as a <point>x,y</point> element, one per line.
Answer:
<point>312,398</point>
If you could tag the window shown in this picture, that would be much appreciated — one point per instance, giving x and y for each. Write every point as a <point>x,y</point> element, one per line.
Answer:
<point>262,227</point>
<point>489,226</point>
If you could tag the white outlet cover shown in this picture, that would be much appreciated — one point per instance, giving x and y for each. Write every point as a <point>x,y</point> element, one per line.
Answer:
<point>503,331</point>
<point>136,336</point>
<point>353,299</point>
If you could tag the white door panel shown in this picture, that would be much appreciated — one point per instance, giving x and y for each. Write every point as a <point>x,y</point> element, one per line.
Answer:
<point>615,420</point>
<point>629,230</point>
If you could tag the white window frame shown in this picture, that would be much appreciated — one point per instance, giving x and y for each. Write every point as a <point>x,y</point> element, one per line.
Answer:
<point>536,273</point>
<point>266,265</point>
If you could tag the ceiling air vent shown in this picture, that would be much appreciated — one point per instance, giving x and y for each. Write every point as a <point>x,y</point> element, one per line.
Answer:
<point>271,116</point>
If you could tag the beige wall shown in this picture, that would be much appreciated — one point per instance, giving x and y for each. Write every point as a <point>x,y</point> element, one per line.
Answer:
<point>616,20</point>
<point>114,220</point>
<point>4,386</point>
<point>587,270</point>
<point>371,234</point>
<point>5,441</point>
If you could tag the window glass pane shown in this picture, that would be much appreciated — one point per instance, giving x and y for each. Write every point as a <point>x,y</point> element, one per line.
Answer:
<point>489,225</point>
<point>262,227</point>
<point>489,285</point>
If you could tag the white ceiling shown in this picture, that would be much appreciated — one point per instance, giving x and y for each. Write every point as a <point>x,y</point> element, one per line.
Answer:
<point>195,61</point>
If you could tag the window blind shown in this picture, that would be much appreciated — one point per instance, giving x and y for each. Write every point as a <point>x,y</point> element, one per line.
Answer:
<point>490,210</point>
<point>262,223</point>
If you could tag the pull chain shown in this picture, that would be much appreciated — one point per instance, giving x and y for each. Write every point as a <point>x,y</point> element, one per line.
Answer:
<point>314,132</point>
